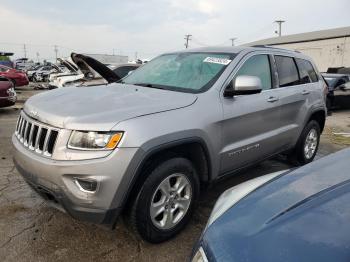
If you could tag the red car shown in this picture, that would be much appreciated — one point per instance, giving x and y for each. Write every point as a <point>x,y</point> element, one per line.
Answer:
<point>7,92</point>
<point>18,78</point>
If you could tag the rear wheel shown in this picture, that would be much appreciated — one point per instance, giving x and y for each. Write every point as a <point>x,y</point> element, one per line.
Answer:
<point>307,145</point>
<point>165,201</point>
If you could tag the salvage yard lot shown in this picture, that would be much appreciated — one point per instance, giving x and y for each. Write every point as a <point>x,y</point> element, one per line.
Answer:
<point>31,230</point>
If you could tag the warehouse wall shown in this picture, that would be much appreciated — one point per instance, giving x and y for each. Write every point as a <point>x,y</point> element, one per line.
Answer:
<point>326,53</point>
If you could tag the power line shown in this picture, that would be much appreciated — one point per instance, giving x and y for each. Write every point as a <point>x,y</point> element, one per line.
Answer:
<point>187,38</point>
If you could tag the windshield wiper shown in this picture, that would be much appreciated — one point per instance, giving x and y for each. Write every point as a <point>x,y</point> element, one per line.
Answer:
<point>149,85</point>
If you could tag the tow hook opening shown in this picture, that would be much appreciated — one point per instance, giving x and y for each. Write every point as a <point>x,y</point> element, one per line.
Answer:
<point>86,185</point>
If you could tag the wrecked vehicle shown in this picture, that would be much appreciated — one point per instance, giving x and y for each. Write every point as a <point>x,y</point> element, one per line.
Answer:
<point>60,80</point>
<point>97,73</point>
<point>69,69</point>
<point>42,73</point>
<point>145,146</point>
<point>93,71</point>
<point>338,88</point>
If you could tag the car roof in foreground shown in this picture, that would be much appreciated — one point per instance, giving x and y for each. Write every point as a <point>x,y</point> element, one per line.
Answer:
<point>302,215</point>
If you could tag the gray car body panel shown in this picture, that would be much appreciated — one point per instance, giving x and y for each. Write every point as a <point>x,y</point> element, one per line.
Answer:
<point>235,131</point>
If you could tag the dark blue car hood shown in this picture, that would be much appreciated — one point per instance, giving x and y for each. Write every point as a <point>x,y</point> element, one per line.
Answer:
<point>302,216</point>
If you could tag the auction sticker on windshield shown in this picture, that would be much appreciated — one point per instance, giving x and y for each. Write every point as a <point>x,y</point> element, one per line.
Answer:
<point>216,60</point>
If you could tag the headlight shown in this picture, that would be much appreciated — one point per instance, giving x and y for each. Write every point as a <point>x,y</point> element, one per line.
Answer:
<point>200,256</point>
<point>89,140</point>
<point>231,196</point>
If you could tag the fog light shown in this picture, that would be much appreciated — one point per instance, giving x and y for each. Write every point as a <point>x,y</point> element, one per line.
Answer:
<point>86,185</point>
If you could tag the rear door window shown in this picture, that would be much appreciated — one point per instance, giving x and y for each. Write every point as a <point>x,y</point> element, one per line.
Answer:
<point>307,71</point>
<point>287,71</point>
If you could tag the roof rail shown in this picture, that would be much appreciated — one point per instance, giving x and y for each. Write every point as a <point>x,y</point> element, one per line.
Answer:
<point>272,47</point>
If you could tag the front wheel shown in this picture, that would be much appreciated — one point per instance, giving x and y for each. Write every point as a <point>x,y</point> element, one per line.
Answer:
<point>165,201</point>
<point>307,145</point>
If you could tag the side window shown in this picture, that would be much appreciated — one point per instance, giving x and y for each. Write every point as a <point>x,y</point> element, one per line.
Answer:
<point>287,71</point>
<point>259,66</point>
<point>307,71</point>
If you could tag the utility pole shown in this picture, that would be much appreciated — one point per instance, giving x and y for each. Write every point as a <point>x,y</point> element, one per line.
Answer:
<point>187,38</point>
<point>233,40</point>
<point>25,50</point>
<point>37,56</point>
<point>279,22</point>
<point>56,51</point>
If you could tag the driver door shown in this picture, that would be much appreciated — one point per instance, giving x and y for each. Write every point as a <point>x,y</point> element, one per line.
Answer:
<point>251,122</point>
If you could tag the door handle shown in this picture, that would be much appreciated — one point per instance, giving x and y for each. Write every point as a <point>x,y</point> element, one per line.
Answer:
<point>272,99</point>
<point>305,92</point>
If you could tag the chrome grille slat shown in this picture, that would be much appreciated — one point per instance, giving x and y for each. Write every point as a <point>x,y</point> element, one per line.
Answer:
<point>20,128</point>
<point>37,137</point>
<point>23,130</point>
<point>36,146</point>
<point>48,134</point>
<point>25,140</point>
<point>30,135</point>
<point>17,125</point>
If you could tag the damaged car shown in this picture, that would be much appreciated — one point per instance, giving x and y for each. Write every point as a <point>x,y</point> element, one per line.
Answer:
<point>94,72</point>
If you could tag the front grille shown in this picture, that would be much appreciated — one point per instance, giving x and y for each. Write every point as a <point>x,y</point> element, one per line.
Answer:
<point>36,136</point>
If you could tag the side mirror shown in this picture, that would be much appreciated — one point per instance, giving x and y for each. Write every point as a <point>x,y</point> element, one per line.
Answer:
<point>244,85</point>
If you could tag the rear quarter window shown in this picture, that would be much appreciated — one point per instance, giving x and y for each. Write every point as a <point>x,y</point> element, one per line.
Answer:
<point>307,71</point>
<point>287,71</point>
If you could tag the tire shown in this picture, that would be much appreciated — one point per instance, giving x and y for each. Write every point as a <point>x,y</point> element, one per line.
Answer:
<point>311,135</point>
<point>156,227</point>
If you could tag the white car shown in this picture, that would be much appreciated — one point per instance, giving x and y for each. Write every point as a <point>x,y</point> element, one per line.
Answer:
<point>63,79</point>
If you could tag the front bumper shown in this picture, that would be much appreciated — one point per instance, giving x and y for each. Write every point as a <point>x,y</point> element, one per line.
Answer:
<point>55,181</point>
<point>8,101</point>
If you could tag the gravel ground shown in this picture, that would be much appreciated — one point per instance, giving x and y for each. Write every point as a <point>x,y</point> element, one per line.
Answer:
<point>30,230</point>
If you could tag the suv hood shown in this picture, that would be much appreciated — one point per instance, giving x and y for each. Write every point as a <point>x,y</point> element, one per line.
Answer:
<point>99,108</point>
<point>88,64</point>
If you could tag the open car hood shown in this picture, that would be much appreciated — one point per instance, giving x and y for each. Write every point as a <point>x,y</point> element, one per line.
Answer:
<point>86,63</point>
<point>67,64</point>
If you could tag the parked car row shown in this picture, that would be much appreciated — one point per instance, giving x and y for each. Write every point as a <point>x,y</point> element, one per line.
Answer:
<point>78,72</point>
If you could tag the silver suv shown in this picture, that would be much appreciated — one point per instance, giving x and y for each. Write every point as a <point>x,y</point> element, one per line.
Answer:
<point>146,145</point>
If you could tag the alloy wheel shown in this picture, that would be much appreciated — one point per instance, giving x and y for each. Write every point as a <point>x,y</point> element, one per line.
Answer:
<point>310,143</point>
<point>171,201</point>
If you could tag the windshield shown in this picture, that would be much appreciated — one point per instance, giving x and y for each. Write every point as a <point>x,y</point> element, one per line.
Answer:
<point>186,72</point>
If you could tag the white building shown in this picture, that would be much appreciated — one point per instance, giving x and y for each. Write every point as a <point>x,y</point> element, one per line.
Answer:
<point>328,48</point>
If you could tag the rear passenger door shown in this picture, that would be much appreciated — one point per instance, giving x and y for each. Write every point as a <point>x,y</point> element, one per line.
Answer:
<point>296,80</point>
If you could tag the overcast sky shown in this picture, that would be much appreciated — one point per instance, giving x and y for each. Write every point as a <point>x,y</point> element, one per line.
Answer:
<point>151,27</point>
